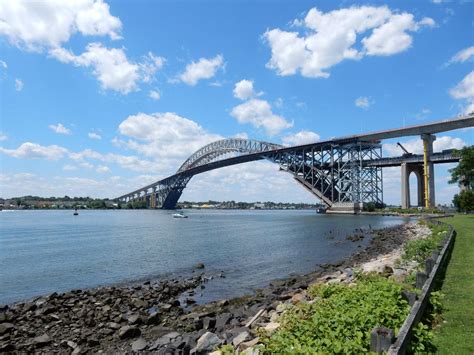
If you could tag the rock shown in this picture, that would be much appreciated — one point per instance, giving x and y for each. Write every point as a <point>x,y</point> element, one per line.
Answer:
<point>207,342</point>
<point>113,325</point>
<point>209,323</point>
<point>298,297</point>
<point>139,344</point>
<point>71,344</point>
<point>271,327</point>
<point>3,317</point>
<point>134,319</point>
<point>222,320</point>
<point>138,303</point>
<point>166,307</point>
<point>249,344</point>
<point>77,350</point>
<point>42,340</point>
<point>129,332</point>
<point>199,266</point>
<point>240,338</point>
<point>250,351</point>
<point>6,328</point>
<point>217,352</point>
<point>171,335</point>
<point>93,341</point>
<point>153,318</point>
<point>159,331</point>
<point>387,271</point>
<point>190,301</point>
<point>7,347</point>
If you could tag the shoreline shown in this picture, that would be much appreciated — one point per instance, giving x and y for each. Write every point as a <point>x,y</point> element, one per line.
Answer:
<point>156,315</point>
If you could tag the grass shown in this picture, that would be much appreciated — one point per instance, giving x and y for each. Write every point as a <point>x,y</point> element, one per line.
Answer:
<point>456,334</point>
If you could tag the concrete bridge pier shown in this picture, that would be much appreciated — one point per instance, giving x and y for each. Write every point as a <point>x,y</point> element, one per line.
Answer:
<point>407,169</point>
<point>424,174</point>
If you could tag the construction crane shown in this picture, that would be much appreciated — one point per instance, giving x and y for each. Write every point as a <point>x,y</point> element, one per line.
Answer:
<point>407,153</point>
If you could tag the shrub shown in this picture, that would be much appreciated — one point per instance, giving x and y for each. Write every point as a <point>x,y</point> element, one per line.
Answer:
<point>341,318</point>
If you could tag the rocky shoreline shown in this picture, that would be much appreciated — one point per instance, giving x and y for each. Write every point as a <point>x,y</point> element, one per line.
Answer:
<point>151,318</point>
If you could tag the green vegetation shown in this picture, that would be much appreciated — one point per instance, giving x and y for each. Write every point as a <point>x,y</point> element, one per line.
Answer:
<point>341,317</point>
<point>463,174</point>
<point>464,201</point>
<point>420,249</point>
<point>136,205</point>
<point>456,334</point>
<point>415,210</point>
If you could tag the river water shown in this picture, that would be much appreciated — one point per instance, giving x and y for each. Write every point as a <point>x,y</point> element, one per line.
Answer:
<point>46,251</point>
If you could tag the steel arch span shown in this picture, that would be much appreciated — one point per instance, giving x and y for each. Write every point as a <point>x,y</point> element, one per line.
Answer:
<point>333,173</point>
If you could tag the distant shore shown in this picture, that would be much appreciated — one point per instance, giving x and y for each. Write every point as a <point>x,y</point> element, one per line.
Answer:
<point>161,314</point>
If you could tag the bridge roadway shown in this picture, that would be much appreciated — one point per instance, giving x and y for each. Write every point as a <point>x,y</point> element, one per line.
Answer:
<point>297,155</point>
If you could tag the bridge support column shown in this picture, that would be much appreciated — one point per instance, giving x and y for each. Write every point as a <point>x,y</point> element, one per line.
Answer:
<point>428,172</point>
<point>407,169</point>
<point>153,198</point>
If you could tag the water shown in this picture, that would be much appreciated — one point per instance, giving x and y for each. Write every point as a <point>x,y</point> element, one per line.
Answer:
<point>46,251</point>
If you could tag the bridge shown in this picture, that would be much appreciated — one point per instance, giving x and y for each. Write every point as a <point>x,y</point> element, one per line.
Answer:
<point>343,173</point>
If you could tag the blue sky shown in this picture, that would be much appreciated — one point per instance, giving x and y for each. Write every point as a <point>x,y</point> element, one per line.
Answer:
<point>100,97</point>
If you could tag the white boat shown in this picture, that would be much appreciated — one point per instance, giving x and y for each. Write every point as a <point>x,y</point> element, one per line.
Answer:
<point>179,215</point>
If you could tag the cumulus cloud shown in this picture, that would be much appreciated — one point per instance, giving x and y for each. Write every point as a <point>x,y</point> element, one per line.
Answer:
<point>154,94</point>
<point>102,169</point>
<point>202,69</point>
<point>415,146</point>
<point>259,114</point>
<point>60,129</point>
<point>93,135</point>
<point>36,25</point>
<point>3,137</point>
<point>244,90</point>
<point>329,38</point>
<point>300,138</point>
<point>462,56</point>
<point>69,167</point>
<point>167,137</point>
<point>362,102</point>
<point>465,91</point>
<point>3,64</point>
<point>30,150</point>
<point>111,66</point>
<point>18,84</point>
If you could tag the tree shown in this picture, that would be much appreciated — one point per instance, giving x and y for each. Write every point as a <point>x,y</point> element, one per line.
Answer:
<point>463,173</point>
<point>464,201</point>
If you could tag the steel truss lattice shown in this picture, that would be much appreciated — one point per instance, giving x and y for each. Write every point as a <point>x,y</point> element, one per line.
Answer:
<point>332,172</point>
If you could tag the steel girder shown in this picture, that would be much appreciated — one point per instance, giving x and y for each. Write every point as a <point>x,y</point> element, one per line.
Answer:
<point>222,147</point>
<point>332,172</point>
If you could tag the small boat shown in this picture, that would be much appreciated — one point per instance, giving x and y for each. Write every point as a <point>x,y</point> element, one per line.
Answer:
<point>76,213</point>
<point>179,215</point>
<point>320,210</point>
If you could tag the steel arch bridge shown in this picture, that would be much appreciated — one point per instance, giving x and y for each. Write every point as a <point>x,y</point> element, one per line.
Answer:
<point>342,172</point>
<point>334,173</point>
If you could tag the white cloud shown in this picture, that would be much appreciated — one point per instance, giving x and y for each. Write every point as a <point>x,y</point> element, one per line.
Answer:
<point>329,38</point>
<point>154,94</point>
<point>166,137</point>
<point>30,150</point>
<point>111,66</point>
<point>300,138</point>
<point>363,102</point>
<point>259,114</point>
<point>69,167</point>
<point>415,146</point>
<point>93,135</point>
<point>3,64</point>
<point>35,25</point>
<point>60,129</point>
<point>465,91</point>
<point>462,56</point>
<point>18,85</point>
<point>243,90</point>
<point>241,135</point>
<point>3,137</point>
<point>202,69</point>
<point>102,169</point>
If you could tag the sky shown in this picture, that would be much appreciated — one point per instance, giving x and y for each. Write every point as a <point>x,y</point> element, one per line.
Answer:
<point>98,98</point>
